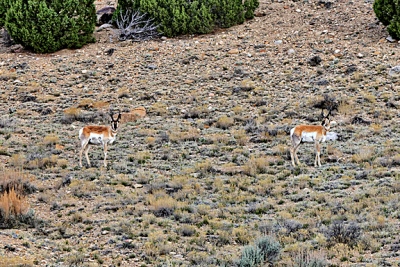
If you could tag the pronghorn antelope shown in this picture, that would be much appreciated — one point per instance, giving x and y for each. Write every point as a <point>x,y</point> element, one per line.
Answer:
<point>98,135</point>
<point>310,133</point>
<point>133,115</point>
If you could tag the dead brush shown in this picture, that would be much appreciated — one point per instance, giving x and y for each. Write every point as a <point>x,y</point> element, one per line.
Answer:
<point>14,187</point>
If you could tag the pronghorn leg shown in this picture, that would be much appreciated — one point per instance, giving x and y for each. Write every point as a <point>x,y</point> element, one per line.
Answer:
<point>292,156</point>
<point>87,154</point>
<point>105,154</point>
<point>293,151</point>
<point>317,154</point>
<point>84,145</point>
<point>295,154</point>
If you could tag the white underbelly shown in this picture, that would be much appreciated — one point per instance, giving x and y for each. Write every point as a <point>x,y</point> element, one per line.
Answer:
<point>98,139</point>
<point>308,137</point>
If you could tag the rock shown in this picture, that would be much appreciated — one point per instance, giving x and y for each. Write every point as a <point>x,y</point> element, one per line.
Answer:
<point>105,15</point>
<point>314,61</point>
<point>390,39</point>
<point>395,71</point>
<point>233,51</point>
<point>104,26</point>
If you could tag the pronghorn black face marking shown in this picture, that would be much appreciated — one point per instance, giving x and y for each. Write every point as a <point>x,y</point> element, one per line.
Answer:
<point>98,135</point>
<point>115,123</point>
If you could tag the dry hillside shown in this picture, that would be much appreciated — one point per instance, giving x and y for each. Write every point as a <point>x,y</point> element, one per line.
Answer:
<point>207,171</point>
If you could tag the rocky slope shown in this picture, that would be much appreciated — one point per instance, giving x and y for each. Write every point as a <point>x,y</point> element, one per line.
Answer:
<point>207,171</point>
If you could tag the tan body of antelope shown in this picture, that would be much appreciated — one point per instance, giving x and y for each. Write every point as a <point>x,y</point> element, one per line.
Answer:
<point>309,133</point>
<point>98,135</point>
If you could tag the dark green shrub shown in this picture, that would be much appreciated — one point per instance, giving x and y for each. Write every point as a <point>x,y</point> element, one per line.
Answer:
<point>4,6</point>
<point>177,17</point>
<point>46,26</point>
<point>388,12</point>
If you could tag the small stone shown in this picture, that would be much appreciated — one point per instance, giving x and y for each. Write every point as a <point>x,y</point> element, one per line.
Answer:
<point>233,51</point>
<point>390,39</point>
<point>104,26</point>
<point>395,71</point>
<point>359,55</point>
<point>278,42</point>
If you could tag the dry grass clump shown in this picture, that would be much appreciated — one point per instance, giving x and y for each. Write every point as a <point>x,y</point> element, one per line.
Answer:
<point>376,128</point>
<point>86,103</point>
<point>369,98</point>
<point>242,235</point>
<point>345,108</point>
<point>191,134</point>
<point>259,164</point>
<point>157,244</point>
<point>140,157</point>
<point>162,206</point>
<point>237,110</point>
<point>72,112</point>
<point>8,260</point>
<point>218,138</point>
<point>51,140</point>
<point>197,112</point>
<point>241,137</point>
<point>81,188</point>
<point>365,154</point>
<point>14,206</point>
<point>204,166</point>
<point>224,122</point>
<point>159,109</point>
<point>17,160</point>
<point>43,162</point>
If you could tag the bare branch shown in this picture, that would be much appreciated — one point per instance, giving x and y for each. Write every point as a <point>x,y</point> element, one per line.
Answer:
<point>136,26</point>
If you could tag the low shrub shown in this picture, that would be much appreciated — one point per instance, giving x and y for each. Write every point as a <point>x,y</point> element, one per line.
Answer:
<point>265,250</point>
<point>388,12</point>
<point>177,17</point>
<point>47,26</point>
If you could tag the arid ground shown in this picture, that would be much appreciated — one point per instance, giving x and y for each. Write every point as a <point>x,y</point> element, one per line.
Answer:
<point>207,171</point>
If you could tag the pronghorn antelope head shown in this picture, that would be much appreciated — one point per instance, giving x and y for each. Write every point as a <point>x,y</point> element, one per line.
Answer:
<point>310,133</point>
<point>98,135</point>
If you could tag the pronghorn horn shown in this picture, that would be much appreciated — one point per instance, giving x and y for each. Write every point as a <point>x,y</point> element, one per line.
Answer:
<point>329,113</point>
<point>322,113</point>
